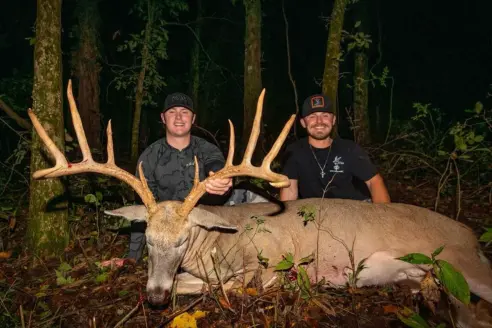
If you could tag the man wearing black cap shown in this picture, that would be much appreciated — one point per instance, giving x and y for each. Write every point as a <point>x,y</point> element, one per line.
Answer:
<point>169,167</point>
<point>323,167</point>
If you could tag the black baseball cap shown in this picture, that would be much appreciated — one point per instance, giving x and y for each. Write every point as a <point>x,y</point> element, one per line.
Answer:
<point>316,103</point>
<point>178,99</point>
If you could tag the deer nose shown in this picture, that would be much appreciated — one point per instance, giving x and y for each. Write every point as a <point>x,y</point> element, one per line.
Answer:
<point>158,296</point>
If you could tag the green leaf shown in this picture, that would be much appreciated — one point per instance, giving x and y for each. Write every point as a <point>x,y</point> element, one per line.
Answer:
<point>453,281</point>
<point>283,265</point>
<point>487,236</point>
<point>122,293</point>
<point>65,267</point>
<point>90,198</point>
<point>411,318</point>
<point>478,138</point>
<point>357,24</point>
<point>478,107</point>
<point>102,277</point>
<point>304,283</point>
<point>442,153</point>
<point>437,251</point>
<point>307,259</point>
<point>416,258</point>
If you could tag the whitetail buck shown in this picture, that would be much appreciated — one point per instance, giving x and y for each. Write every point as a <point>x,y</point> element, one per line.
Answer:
<point>182,235</point>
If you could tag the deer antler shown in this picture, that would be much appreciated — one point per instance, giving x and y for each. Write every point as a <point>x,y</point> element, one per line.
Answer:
<point>63,167</point>
<point>245,168</point>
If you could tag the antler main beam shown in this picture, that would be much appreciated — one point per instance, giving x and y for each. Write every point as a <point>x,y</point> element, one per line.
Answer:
<point>63,167</point>
<point>245,168</point>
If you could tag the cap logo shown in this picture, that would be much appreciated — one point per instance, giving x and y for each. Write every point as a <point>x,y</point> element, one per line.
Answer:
<point>317,102</point>
<point>178,98</point>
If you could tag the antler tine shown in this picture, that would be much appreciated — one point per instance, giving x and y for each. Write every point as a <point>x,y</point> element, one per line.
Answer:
<point>77,124</point>
<point>245,168</point>
<point>109,147</point>
<point>60,160</point>
<point>63,168</point>
<point>232,142</point>
<point>255,131</point>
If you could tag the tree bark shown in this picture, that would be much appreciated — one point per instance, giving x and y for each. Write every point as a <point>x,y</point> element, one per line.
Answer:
<point>87,70</point>
<point>140,85</point>
<point>47,231</point>
<point>333,53</point>
<point>195,73</point>
<point>362,132</point>
<point>361,99</point>
<point>252,66</point>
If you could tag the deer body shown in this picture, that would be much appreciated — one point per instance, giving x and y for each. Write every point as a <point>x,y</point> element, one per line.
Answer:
<point>379,233</point>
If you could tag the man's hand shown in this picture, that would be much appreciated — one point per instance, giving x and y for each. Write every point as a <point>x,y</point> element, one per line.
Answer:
<point>218,186</point>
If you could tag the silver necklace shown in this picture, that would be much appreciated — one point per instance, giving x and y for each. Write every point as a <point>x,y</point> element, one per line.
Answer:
<point>322,172</point>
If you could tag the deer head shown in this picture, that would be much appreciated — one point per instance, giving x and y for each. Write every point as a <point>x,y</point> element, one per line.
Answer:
<point>168,222</point>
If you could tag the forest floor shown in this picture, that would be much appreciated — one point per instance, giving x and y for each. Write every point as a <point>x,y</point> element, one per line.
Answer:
<point>81,290</point>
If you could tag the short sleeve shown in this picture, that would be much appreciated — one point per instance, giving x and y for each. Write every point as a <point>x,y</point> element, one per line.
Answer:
<point>289,164</point>
<point>213,157</point>
<point>362,166</point>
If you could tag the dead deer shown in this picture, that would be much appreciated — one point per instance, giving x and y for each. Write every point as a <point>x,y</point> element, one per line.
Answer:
<point>182,235</point>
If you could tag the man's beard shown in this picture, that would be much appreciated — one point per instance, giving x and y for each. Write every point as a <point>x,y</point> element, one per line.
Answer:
<point>319,134</point>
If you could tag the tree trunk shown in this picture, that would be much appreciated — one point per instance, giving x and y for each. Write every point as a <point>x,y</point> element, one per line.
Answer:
<point>362,132</point>
<point>140,85</point>
<point>87,69</point>
<point>252,66</point>
<point>333,53</point>
<point>195,66</point>
<point>361,99</point>
<point>47,231</point>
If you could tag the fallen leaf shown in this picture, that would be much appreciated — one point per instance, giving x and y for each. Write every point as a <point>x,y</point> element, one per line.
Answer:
<point>224,303</point>
<point>251,291</point>
<point>186,320</point>
<point>5,255</point>
<point>430,291</point>
<point>390,308</point>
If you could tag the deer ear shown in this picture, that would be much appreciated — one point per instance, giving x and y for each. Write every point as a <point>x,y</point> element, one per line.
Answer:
<point>209,220</point>
<point>131,213</point>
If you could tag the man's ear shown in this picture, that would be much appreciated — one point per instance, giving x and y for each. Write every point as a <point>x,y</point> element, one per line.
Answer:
<point>209,220</point>
<point>303,123</point>
<point>131,213</point>
<point>193,119</point>
<point>163,118</point>
<point>334,119</point>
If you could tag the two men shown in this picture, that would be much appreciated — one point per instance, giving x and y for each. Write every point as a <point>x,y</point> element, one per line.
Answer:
<point>317,166</point>
<point>320,166</point>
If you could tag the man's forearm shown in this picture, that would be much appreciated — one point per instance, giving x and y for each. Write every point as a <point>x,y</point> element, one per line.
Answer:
<point>379,193</point>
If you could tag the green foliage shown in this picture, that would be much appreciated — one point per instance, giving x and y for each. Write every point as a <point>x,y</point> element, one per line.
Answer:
<point>295,276</point>
<point>16,90</point>
<point>451,279</point>
<point>486,237</point>
<point>152,12</point>
<point>62,274</point>
<point>307,212</point>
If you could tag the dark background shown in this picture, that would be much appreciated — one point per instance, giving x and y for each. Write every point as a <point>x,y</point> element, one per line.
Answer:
<point>437,52</point>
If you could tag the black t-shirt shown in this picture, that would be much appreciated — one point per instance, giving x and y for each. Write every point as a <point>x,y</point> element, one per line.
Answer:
<point>342,161</point>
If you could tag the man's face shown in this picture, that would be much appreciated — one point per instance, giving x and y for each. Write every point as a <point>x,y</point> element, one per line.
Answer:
<point>178,121</point>
<point>319,124</point>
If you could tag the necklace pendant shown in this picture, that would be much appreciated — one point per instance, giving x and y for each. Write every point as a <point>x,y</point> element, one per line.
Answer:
<point>322,174</point>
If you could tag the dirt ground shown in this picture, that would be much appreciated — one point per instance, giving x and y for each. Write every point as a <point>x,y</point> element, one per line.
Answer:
<point>50,294</point>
